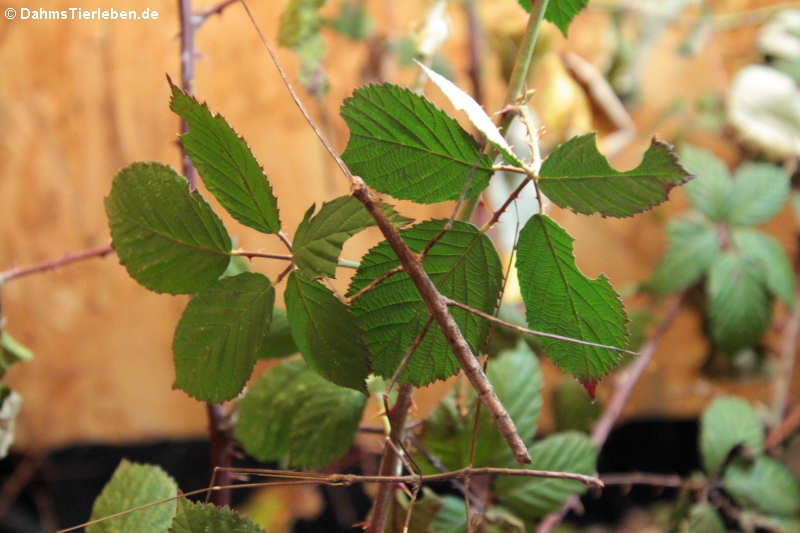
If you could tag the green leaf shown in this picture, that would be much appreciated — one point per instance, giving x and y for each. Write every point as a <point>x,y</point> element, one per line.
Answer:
<point>560,299</point>
<point>576,175</point>
<point>299,22</point>
<point>710,191</point>
<point>765,485</point>
<point>237,265</point>
<point>532,498</point>
<point>11,352</point>
<point>769,255</point>
<point>133,485</point>
<point>326,332</point>
<point>226,164</point>
<point>463,265</point>
<point>517,379</point>
<point>222,333</point>
<point>692,248</point>
<point>319,239</point>
<point>704,518</point>
<point>726,423</point>
<point>353,21</point>
<point>167,238</point>
<point>291,409</point>
<point>573,409</point>
<point>325,426</point>
<point>207,518</point>
<point>758,193</point>
<point>561,12</point>
<point>279,343</point>
<point>402,145</point>
<point>738,306</point>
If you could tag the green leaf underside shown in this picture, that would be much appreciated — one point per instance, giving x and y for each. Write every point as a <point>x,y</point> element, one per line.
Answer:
<point>758,193</point>
<point>728,422</point>
<point>280,343</point>
<point>738,306</point>
<point>463,265</point>
<point>326,333</point>
<point>532,498</point>
<point>775,266</point>
<point>402,145</point>
<point>692,248</point>
<point>11,352</point>
<point>222,333</point>
<point>765,485</point>
<point>226,164</point>
<point>710,190</point>
<point>576,175</point>
<point>560,299</point>
<point>292,410</point>
<point>207,518</point>
<point>559,12</point>
<point>704,518</point>
<point>133,485</point>
<point>167,238</point>
<point>517,380</point>
<point>319,238</point>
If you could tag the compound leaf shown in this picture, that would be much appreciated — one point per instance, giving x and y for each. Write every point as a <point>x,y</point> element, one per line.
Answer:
<point>560,299</point>
<point>775,265</point>
<point>691,250</point>
<point>759,191</point>
<point>531,498</point>
<point>222,333</point>
<point>133,485</point>
<point>195,517</point>
<point>167,238</point>
<point>765,485</point>
<point>402,145</point>
<point>463,265</point>
<point>710,191</point>
<point>319,239</point>
<point>226,164</point>
<point>576,175</point>
<point>326,333</point>
<point>292,410</point>
<point>728,422</point>
<point>738,305</point>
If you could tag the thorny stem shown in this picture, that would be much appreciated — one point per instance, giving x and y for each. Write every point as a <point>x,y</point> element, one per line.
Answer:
<point>786,363</point>
<point>53,264</point>
<point>511,197</point>
<point>621,394</point>
<point>187,79</point>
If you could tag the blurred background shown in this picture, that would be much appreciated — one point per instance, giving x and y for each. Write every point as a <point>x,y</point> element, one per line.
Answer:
<point>79,100</point>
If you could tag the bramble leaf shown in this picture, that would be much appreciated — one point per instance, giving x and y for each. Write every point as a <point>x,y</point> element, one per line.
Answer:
<point>463,265</point>
<point>464,102</point>
<point>167,238</point>
<point>132,485</point>
<point>222,333</point>
<point>228,167</point>
<point>531,498</point>
<point>693,247</point>
<point>704,518</point>
<point>195,517</point>
<point>738,306</point>
<point>727,422</point>
<point>759,191</point>
<point>402,145</point>
<point>765,485</point>
<point>768,253</point>
<point>292,410</point>
<point>560,299</point>
<point>319,238</point>
<point>576,175</point>
<point>709,192</point>
<point>279,343</point>
<point>326,333</point>
<point>559,12</point>
<point>517,379</point>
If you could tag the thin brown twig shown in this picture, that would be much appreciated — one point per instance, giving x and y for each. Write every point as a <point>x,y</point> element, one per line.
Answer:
<point>210,12</point>
<point>786,428</point>
<point>375,282</point>
<point>188,55</point>
<point>511,197</point>
<point>786,362</point>
<point>406,357</point>
<point>52,264</point>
